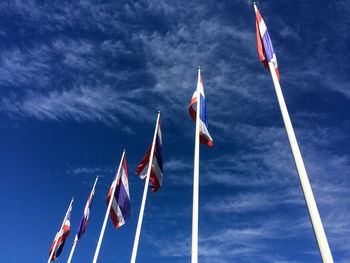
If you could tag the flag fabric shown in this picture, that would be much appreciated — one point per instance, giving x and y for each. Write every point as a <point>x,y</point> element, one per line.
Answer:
<point>85,217</point>
<point>156,176</point>
<point>120,209</point>
<point>265,48</point>
<point>204,135</point>
<point>61,237</point>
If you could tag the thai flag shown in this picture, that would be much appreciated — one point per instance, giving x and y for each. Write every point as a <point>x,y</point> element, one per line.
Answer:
<point>61,237</point>
<point>120,210</point>
<point>204,135</point>
<point>156,175</point>
<point>265,48</point>
<point>84,219</point>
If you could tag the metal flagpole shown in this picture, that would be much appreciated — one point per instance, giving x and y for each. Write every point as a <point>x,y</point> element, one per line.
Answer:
<point>304,181</point>
<point>73,248</point>
<point>58,233</point>
<point>194,255</point>
<point>138,229</point>
<point>107,212</point>
<point>76,236</point>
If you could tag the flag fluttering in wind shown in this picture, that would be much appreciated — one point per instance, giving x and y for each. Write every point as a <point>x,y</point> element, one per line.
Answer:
<point>204,135</point>
<point>118,202</point>
<point>156,175</point>
<point>198,113</point>
<point>61,236</point>
<point>83,221</point>
<point>265,48</point>
<point>268,57</point>
<point>120,210</point>
<point>151,171</point>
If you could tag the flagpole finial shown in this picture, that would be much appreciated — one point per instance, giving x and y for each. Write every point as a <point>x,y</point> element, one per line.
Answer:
<point>254,3</point>
<point>73,198</point>
<point>124,150</point>
<point>98,176</point>
<point>199,67</point>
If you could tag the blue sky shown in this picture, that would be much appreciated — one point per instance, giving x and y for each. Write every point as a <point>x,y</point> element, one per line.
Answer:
<point>81,80</point>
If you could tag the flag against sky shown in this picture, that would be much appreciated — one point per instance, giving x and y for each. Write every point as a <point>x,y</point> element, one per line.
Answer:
<point>84,219</point>
<point>204,137</point>
<point>265,48</point>
<point>61,237</point>
<point>156,175</point>
<point>120,209</point>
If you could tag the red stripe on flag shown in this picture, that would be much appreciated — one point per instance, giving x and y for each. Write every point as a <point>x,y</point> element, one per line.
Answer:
<point>205,141</point>
<point>258,16</point>
<point>144,161</point>
<point>114,218</point>
<point>154,180</point>
<point>191,110</point>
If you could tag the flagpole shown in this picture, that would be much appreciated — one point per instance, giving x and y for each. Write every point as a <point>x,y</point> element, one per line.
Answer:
<point>73,248</point>
<point>107,212</point>
<point>76,236</point>
<point>194,255</point>
<point>64,220</point>
<point>138,229</point>
<point>304,180</point>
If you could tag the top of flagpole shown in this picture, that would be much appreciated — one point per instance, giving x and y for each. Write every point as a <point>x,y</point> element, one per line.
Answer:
<point>199,67</point>
<point>254,3</point>
<point>159,112</point>
<point>124,150</point>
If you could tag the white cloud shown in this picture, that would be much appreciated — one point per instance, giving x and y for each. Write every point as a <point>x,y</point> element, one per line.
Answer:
<point>101,103</point>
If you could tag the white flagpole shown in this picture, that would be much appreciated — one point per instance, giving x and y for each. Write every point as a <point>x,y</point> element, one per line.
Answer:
<point>73,248</point>
<point>107,212</point>
<point>304,180</point>
<point>64,220</point>
<point>138,229</point>
<point>194,255</point>
<point>76,236</point>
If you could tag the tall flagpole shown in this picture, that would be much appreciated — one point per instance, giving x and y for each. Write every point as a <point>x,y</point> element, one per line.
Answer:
<point>194,255</point>
<point>64,220</point>
<point>73,248</point>
<point>304,180</point>
<point>76,236</point>
<point>107,212</point>
<point>138,229</point>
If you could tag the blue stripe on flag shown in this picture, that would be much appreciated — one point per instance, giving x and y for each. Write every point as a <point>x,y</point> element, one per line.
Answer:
<point>203,111</point>
<point>268,48</point>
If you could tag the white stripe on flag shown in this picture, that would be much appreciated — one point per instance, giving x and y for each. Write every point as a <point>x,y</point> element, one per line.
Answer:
<point>157,170</point>
<point>262,28</point>
<point>118,212</point>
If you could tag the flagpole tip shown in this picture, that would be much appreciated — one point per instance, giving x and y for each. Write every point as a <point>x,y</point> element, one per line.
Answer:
<point>73,198</point>
<point>98,176</point>
<point>199,67</point>
<point>124,150</point>
<point>254,3</point>
<point>159,112</point>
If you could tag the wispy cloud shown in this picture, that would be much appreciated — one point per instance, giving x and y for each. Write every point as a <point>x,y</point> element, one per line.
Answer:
<point>229,244</point>
<point>114,63</point>
<point>101,103</point>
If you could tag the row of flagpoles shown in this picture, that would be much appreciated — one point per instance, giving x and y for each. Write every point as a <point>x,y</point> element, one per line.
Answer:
<point>118,199</point>
<point>151,169</point>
